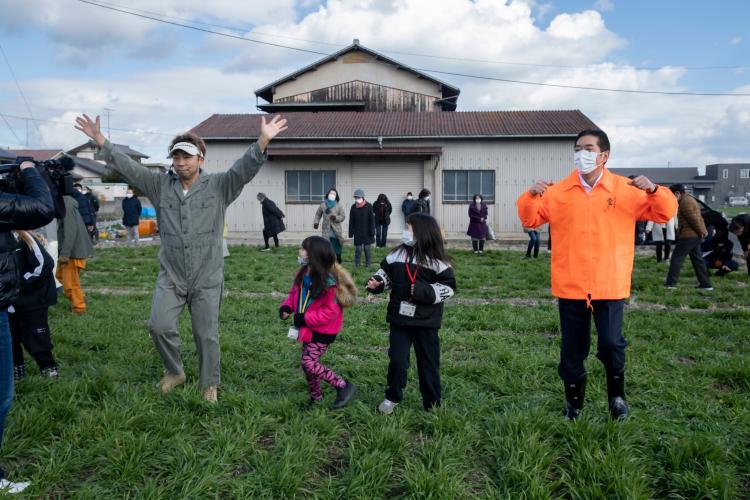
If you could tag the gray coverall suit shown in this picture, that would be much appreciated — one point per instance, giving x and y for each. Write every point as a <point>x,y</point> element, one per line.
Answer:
<point>191,264</point>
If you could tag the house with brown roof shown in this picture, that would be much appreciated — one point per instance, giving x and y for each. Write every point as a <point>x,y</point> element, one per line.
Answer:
<point>358,119</point>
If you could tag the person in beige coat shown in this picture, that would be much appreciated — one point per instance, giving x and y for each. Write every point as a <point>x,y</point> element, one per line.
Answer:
<point>332,215</point>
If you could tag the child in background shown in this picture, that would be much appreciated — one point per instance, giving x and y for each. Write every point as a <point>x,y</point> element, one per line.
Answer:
<point>28,316</point>
<point>316,301</point>
<point>420,277</point>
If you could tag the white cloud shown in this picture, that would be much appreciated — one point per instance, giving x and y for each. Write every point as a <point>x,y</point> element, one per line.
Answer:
<point>85,34</point>
<point>646,130</point>
<point>736,40</point>
<point>604,5</point>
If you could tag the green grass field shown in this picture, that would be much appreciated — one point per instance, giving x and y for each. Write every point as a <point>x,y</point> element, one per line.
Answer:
<point>103,430</point>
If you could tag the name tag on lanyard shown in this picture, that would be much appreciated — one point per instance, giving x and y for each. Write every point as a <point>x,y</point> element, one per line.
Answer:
<point>407,308</point>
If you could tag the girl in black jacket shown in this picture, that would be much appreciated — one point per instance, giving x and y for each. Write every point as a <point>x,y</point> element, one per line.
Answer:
<point>28,316</point>
<point>420,277</point>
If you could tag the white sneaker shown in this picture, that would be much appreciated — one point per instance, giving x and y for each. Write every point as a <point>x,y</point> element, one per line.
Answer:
<point>9,487</point>
<point>387,406</point>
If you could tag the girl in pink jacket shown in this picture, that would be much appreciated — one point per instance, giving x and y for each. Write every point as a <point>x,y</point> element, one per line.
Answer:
<point>316,302</point>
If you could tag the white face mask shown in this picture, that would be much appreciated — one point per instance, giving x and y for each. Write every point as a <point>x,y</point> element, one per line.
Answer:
<point>302,261</point>
<point>408,238</point>
<point>358,200</point>
<point>585,161</point>
<point>410,197</point>
<point>332,197</point>
<point>478,201</point>
<point>129,195</point>
<point>427,198</point>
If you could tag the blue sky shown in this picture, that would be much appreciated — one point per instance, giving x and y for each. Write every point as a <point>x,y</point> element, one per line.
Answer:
<point>70,57</point>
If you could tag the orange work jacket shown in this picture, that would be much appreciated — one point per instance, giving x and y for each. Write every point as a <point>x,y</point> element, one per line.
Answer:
<point>593,234</point>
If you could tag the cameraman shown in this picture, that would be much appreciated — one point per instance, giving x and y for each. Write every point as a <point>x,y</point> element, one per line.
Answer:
<point>17,211</point>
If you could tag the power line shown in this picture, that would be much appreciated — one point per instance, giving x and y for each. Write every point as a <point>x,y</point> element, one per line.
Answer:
<point>130,10</point>
<point>227,35</point>
<point>58,122</point>
<point>20,143</point>
<point>578,87</point>
<point>479,77</point>
<point>18,86</point>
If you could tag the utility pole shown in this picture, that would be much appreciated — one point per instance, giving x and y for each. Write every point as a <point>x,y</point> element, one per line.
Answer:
<point>108,130</point>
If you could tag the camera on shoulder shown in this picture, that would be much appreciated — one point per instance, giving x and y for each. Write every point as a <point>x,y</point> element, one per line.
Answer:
<point>56,174</point>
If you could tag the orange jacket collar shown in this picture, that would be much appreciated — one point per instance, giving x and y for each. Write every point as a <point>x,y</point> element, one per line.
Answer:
<point>571,181</point>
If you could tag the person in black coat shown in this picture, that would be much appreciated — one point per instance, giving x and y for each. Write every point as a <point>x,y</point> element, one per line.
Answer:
<point>407,207</point>
<point>740,226</point>
<point>131,215</point>
<point>17,211</point>
<point>423,203</point>
<point>272,221</point>
<point>94,201</point>
<point>84,207</point>
<point>361,227</point>
<point>383,209</point>
<point>28,316</point>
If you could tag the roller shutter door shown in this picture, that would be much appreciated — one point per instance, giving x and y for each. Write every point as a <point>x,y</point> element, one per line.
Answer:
<point>395,179</point>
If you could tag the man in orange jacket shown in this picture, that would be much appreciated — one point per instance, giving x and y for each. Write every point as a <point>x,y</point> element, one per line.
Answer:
<point>592,215</point>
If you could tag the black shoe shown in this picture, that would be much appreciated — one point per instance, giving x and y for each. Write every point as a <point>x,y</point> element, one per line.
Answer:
<point>574,396</point>
<point>618,409</point>
<point>344,395</point>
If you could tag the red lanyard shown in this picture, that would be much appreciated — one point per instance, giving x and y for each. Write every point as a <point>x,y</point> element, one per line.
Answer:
<point>412,278</point>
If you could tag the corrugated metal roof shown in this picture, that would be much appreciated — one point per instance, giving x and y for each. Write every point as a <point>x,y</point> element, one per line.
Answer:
<point>363,151</point>
<point>352,124</point>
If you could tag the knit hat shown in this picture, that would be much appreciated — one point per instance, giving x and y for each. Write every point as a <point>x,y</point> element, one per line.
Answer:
<point>359,193</point>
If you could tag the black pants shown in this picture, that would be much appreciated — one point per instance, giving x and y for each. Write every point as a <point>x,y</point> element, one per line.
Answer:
<point>477,245</point>
<point>427,349</point>
<point>683,248</point>
<point>381,234</point>
<point>575,326</point>
<point>267,236</point>
<point>662,250</point>
<point>30,329</point>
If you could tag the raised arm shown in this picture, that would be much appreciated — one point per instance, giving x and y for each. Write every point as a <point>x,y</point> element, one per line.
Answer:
<point>233,180</point>
<point>136,174</point>
<point>531,208</point>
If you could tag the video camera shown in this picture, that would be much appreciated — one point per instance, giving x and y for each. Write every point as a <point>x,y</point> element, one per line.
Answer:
<point>56,173</point>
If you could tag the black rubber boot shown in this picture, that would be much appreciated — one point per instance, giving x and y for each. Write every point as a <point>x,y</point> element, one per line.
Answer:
<point>344,395</point>
<point>575,393</point>
<point>618,408</point>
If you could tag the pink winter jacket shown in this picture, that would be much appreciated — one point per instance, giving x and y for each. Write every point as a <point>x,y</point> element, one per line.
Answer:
<point>323,315</point>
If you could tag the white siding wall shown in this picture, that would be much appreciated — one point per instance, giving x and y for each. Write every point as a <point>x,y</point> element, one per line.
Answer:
<point>517,164</point>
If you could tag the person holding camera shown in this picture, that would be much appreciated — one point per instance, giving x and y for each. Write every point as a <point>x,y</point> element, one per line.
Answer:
<point>30,210</point>
<point>190,207</point>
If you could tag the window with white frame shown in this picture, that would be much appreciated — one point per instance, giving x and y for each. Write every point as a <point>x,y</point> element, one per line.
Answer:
<point>745,173</point>
<point>462,185</point>
<point>725,173</point>
<point>309,185</point>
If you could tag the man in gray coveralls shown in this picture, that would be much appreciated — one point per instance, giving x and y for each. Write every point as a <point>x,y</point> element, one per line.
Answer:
<point>190,207</point>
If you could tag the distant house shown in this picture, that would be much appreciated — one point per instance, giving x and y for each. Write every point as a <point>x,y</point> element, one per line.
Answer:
<point>91,151</point>
<point>358,119</point>
<point>731,179</point>
<point>37,154</point>
<point>720,181</point>
<point>702,187</point>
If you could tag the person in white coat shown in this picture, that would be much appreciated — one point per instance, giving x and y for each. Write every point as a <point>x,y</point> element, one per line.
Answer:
<point>663,235</point>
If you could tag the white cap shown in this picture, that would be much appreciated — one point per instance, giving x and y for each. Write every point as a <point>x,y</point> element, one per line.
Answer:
<point>187,147</point>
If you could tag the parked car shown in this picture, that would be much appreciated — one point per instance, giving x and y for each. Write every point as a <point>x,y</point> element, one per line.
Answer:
<point>737,201</point>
